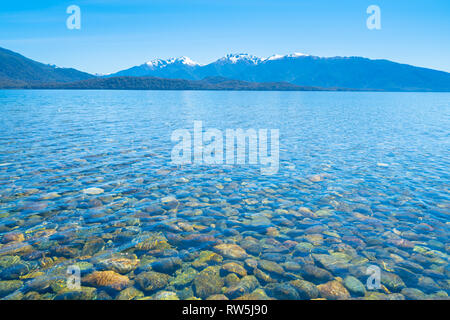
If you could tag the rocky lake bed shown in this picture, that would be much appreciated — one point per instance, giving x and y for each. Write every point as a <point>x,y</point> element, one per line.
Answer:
<point>99,196</point>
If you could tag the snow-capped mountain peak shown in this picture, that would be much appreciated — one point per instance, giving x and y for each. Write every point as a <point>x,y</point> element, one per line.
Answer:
<point>155,63</point>
<point>187,61</point>
<point>248,58</point>
<point>232,58</point>
<point>159,63</point>
<point>240,57</point>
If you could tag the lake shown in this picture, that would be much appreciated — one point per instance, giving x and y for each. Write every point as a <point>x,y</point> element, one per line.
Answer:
<point>92,207</point>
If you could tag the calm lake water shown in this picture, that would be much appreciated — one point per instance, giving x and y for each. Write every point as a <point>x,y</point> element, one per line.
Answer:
<point>86,182</point>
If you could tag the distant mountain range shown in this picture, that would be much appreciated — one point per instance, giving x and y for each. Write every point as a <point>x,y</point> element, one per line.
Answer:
<point>344,72</point>
<point>232,72</point>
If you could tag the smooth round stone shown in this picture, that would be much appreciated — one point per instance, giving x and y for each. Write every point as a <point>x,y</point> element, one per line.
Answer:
<point>303,249</point>
<point>276,257</point>
<point>354,286</point>
<point>272,232</point>
<point>167,265</point>
<point>291,266</point>
<point>151,281</point>
<point>282,291</point>
<point>50,196</point>
<point>260,221</point>
<point>166,295</point>
<point>333,290</point>
<point>313,273</point>
<point>169,202</point>
<point>305,289</point>
<point>392,281</point>
<point>315,178</point>
<point>328,261</point>
<point>315,229</point>
<point>108,279</point>
<point>231,251</point>
<point>234,267</point>
<point>413,294</point>
<point>271,267</point>
<point>262,276</point>
<point>119,265</point>
<point>252,247</point>
<point>93,191</point>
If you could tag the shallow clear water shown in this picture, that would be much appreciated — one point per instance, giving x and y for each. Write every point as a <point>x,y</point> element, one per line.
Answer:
<point>363,181</point>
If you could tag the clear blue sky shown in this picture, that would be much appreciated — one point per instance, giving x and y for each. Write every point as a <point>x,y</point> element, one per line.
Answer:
<point>118,34</point>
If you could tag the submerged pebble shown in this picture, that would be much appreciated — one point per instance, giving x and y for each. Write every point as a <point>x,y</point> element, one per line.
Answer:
<point>108,279</point>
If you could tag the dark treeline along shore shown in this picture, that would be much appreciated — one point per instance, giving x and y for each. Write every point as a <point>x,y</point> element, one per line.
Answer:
<point>233,72</point>
<point>154,83</point>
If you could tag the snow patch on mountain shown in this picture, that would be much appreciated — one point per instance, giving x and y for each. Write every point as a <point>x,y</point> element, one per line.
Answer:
<point>292,55</point>
<point>240,57</point>
<point>159,63</point>
<point>187,61</point>
<point>297,55</point>
<point>155,63</point>
<point>274,57</point>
